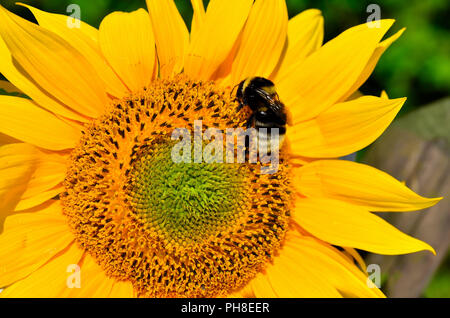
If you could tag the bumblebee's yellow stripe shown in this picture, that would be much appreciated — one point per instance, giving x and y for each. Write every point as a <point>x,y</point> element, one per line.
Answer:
<point>246,83</point>
<point>269,89</point>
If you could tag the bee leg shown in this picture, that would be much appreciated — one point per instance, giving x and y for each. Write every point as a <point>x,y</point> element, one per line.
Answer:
<point>241,105</point>
<point>250,121</point>
<point>247,137</point>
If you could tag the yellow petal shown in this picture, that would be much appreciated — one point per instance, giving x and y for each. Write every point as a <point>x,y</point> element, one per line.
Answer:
<point>343,224</point>
<point>82,40</point>
<point>263,39</point>
<point>122,290</point>
<point>198,17</point>
<point>356,94</point>
<point>50,171</point>
<point>17,76</point>
<point>358,184</point>
<point>245,292</point>
<point>354,255</point>
<point>222,75</point>
<point>382,46</point>
<point>22,119</point>
<point>39,198</point>
<point>49,281</point>
<point>17,165</point>
<point>344,128</point>
<point>344,276</point>
<point>9,87</point>
<point>326,75</point>
<point>293,278</point>
<point>305,36</point>
<point>47,171</point>
<point>57,22</point>
<point>209,48</point>
<point>128,44</point>
<point>29,240</point>
<point>171,35</point>
<point>262,288</point>
<point>94,282</point>
<point>54,64</point>
<point>5,139</point>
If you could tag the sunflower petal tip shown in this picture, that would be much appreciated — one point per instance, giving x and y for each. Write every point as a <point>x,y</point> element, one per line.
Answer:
<point>426,247</point>
<point>384,94</point>
<point>316,11</point>
<point>401,100</point>
<point>386,43</point>
<point>383,23</point>
<point>21,4</point>
<point>425,203</point>
<point>431,249</point>
<point>390,21</point>
<point>434,201</point>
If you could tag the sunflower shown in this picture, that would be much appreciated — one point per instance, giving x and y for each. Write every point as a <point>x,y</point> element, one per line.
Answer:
<point>87,180</point>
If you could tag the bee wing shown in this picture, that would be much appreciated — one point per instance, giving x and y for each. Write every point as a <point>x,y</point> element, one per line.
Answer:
<point>275,104</point>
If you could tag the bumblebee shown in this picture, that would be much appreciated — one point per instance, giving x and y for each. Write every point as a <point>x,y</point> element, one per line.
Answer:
<point>268,111</point>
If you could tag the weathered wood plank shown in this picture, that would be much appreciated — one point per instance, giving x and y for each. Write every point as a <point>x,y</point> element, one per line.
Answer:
<point>419,156</point>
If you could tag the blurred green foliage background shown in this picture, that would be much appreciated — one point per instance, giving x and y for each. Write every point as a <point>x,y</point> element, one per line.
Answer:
<point>416,66</point>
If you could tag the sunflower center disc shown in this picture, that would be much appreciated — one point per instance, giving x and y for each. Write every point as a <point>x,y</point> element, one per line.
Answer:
<point>187,202</point>
<point>173,229</point>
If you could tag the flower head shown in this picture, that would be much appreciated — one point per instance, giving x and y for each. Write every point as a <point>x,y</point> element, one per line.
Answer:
<point>89,179</point>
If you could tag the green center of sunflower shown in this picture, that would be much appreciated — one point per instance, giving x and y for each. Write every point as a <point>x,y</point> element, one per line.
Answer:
<point>187,202</point>
<point>173,229</point>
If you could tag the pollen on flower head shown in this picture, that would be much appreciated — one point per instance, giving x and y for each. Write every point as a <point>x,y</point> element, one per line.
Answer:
<point>173,229</point>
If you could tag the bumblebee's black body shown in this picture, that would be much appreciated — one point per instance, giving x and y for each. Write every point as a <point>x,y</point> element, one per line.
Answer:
<point>260,95</point>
